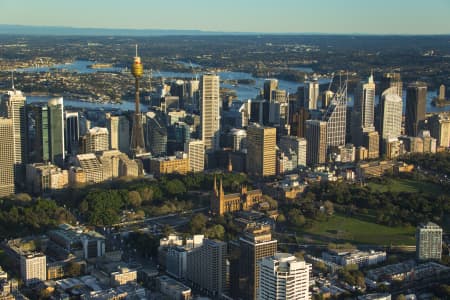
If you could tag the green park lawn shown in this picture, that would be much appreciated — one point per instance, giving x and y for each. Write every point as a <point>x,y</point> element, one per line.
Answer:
<point>356,230</point>
<point>407,185</point>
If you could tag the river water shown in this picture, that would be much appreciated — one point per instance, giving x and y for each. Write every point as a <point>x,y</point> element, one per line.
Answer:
<point>243,91</point>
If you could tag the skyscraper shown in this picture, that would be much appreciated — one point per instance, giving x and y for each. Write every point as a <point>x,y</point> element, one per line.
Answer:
<point>56,130</point>
<point>156,133</point>
<point>416,98</point>
<point>311,94</point>
<point>391,114</point>
<point>284,277</point>
<point>6,157</point>
<point>97,139</point>
<point>270,85</point>
<point>72,131</point>
<point>327,96</point>
<point>316,142</point>
<point>13,107</point>
<point>206,267</point>
<point>119,132</point>
<point>196,152</point>
<point>440,128</point>
<point>429,241</point>
<point>392,80</point>
<point>363,110</point>
<point>254,245</point>
<point>261,150</point>
<point>210,111</point>
<point>40,151</point>
<point>336,117</point>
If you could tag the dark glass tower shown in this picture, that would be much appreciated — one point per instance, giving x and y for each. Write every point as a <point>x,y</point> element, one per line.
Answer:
<point>416,98</point>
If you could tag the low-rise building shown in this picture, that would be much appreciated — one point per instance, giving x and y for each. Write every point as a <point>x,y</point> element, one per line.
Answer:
<point>173,289</point>
<point>123,276</point>
<point>360,258</point>
<point>43,178</point>
<point>170,164</point>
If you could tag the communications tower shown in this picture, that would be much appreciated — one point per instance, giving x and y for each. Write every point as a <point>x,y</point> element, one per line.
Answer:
<point>137,145</point>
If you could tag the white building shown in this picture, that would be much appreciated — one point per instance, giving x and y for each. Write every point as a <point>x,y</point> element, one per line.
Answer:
<point>97,139</point>
<point>311,94</point>
<point>196,153</point>
<point>33,268</point>
<point>391,114</point>
<point>210,110</point>
<point>429,241</point>
<point>283,276</point>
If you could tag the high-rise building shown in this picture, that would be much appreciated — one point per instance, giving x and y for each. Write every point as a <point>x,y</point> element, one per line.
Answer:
<point>56,130</point>
<point>156,133</point>
<point>91,167</point>
<point>298,145</point>
<point>33,268</point>
<point>284,277</point>
<point>429,241</point>
<point>255,244</point>
<point>336,117</point>
<point>311,94</point>
<point>40,152</point>
<point>440,128</point>
<point>371,141</point>
<point>97,139</point>
<point>316,141</point>
<point>196,153</point>
<point>206,267</point>
<point>270,85</point>
<point>416,99</point>
<point>119,132</point>
<point>210,111</point>
<point>238,139</point>
<point>13,107</point>
<point>261,150</point>
<point>391,114</point>
<point>298,122</point>
<point>363,110</point>
<point>6,159</point>
<point>72,131</point>
<point>394,81</point>
<point>327,96</point>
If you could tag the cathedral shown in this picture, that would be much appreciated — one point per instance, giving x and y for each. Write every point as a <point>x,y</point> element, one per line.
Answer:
<point>245,200</point>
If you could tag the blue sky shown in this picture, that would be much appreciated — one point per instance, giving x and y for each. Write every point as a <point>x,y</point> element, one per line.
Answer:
<point>324,16</point>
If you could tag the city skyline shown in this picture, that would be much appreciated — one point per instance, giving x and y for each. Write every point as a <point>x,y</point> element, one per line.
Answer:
<point>286,16</point>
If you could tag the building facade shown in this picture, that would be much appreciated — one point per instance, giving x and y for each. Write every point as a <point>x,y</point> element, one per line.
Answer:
<point>210,111</point>
<point>429,241</point>
<point>261,150</point>
<point>7,162</point>
<point>416,98</point>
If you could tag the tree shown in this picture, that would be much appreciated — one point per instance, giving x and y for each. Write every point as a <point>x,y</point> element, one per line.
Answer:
<point>296,218</point>
<point>281,218</point>
<point>134,199</point>
<point>198,223</point>
<point>400,297</point>
<point>329,208</point>
<point>216,232</point>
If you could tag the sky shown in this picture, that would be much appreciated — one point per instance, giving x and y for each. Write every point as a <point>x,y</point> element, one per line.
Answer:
<point>269,16</point>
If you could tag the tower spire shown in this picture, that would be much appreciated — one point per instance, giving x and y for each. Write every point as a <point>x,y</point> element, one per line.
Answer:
<point>136,50</point>
<point>12,80</point>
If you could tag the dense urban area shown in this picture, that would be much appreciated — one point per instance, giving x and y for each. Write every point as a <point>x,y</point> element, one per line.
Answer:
<point>225,167</point>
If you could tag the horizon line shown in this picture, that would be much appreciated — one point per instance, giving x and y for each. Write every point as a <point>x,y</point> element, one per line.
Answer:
<point>205,32</point>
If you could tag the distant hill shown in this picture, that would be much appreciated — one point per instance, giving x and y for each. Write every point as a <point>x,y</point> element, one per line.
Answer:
<point>60,30</point>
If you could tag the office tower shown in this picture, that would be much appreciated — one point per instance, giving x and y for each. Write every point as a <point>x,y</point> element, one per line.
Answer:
<point>13,107</point>
<point>298,123</point>
<point>97,139</point>
<point>279,96</point>
<point>429,241</point>
<point>179,163</point>
<point>336,117</point>
<point>137,145</point>
<point>156,133</point>
<point>261,150</point>
<point>363,110</point>
<point>392,148</point>
<point>119,132</point>
<point>311,94</point>
<point>316,141</point>
<point>327,96</point>
<point>178,134</point>
<point>91,167</point>
<point>255,244</point>
<point>178,89</point>
<point>284,277</point>
<point>371,141</point>
<point>6,157</point>
<point>441,95</point>
<point>210,111</point>
<point>72,131</point>
<point>269,86</point>
<point>56,130</point>
<point>391,111</point>
<point>440,128</point>
<point>40,152</point>
<point>416,99</point>
<point>238,139</point>
<point>206,267</point>
<point>33,268</point>
<point>298,145</point>
<point>196,153</point>
<point>429,143</point>
<point>45,177</point>
<point>193,93</point>
<point>391,80</point>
